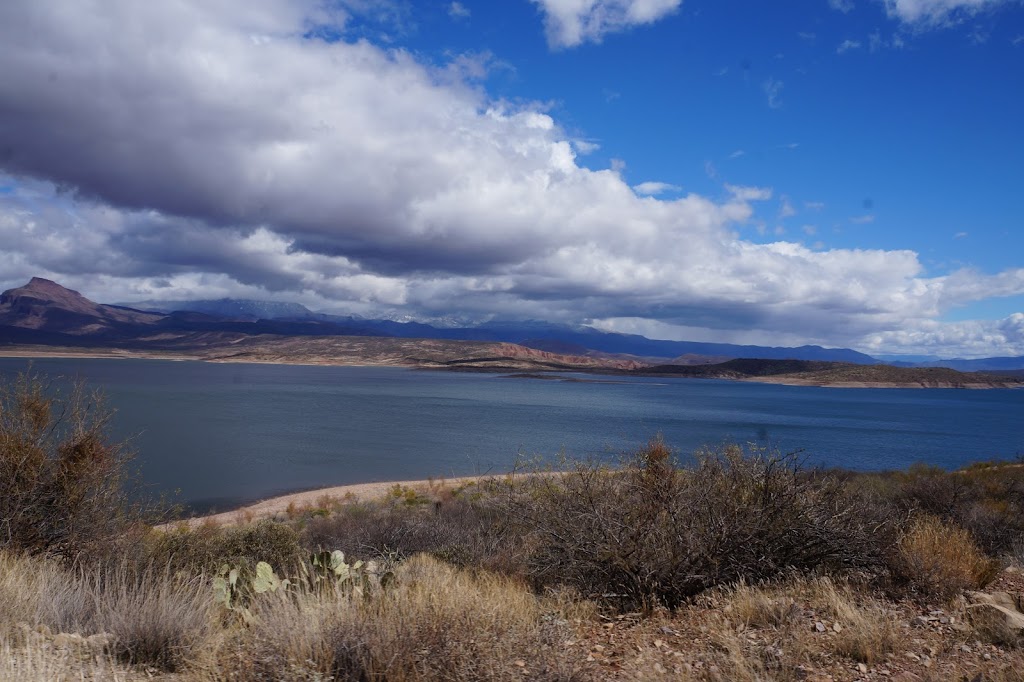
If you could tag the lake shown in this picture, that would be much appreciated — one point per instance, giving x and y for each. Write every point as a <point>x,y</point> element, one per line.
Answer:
<point>224,434</point>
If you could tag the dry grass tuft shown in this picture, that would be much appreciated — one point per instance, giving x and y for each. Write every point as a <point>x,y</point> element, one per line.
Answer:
<point>940,560</point>
<point>434,622</point>
<point>762,607</point>
<point>867,632</point>
<point>157,619</point>
<point>40,661</point>
<point>147,617</point>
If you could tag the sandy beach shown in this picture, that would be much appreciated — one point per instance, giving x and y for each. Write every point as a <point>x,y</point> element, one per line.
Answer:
<point>322,497</point>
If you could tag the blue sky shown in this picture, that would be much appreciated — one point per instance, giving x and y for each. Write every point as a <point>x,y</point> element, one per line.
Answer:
<point>842,172</point>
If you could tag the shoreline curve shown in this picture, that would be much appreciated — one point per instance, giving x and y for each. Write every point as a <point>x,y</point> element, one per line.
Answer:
<point>352,492</point>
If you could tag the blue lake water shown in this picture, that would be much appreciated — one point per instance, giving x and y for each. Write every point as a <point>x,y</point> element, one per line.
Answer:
<point>223,434</point>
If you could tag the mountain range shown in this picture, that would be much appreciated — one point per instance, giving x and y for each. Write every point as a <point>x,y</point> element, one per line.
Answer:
<point>44,312</point>
<point>555,338</point>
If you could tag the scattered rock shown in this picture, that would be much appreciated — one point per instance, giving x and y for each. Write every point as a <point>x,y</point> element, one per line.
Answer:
<point>996,616</point>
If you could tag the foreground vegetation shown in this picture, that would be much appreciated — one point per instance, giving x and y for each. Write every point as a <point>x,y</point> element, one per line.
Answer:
<point>732,564</point>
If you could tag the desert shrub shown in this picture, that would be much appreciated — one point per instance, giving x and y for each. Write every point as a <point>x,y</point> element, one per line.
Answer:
<point>940,560</point>
<point>985,499</point>
<point>62,482</point>
<point>464,530</point>
<point>205,548</point>
<point>651,532</point>
<point>933,490</point>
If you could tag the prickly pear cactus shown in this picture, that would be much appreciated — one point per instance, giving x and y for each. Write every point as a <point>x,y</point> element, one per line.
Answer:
<point>358,578</point>
<point>225,586</point>
<point>266,580</point>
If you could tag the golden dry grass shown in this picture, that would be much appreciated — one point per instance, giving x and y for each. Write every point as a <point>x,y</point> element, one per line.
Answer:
<point>866,631</point>
<point>434,622</point>
<point>942,560</point>
<point>41,661</point>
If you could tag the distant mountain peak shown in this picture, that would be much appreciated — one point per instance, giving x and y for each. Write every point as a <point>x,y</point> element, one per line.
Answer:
<point>43,304</point>
<point>48,291</point>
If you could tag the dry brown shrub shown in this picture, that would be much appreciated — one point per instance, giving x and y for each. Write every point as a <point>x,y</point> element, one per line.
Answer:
<point>464,529</point>
<point>158,619</point>
<point>986,499</point>
<point>940,560</point>
<point>651,532</point>
<point>62,482</point>
<point>205,548</point>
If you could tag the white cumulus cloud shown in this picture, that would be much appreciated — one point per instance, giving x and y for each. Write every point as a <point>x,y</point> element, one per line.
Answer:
<point>936,11</point>
<point>456,10</point>
<point>572,22</point>
<point>652,188</point>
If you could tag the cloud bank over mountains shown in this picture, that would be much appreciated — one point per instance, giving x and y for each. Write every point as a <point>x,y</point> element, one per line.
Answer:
<point>152,150</point>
